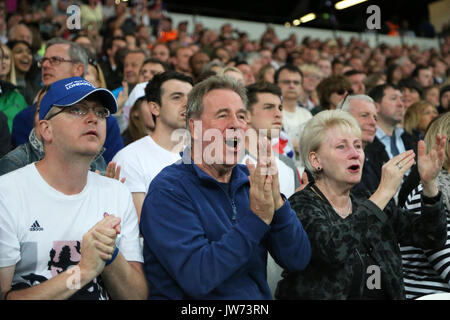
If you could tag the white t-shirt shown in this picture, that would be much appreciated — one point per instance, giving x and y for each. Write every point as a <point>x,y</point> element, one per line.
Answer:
<point>141,161</point>
<point>41,229</point>
<point>286,176</point>
<point>293,120</point>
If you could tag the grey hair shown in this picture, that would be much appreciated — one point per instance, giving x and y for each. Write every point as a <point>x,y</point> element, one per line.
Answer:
<point>211,64</point>
<point>195,98</point>
<point>76,52</point>
<point>13,29</point>
<point>345,104</point>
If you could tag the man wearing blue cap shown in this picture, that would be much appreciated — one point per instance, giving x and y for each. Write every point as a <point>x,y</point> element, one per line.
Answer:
<point>61,225</point>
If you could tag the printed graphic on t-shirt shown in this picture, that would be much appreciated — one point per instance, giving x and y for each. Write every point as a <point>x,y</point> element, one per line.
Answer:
<point>62,256</point>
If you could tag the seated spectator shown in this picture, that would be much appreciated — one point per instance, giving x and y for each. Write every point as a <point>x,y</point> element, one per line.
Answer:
<point>357,81</point>
<point>189,203</point>
<point>33,150</point>
<point>55,68</point>
<point>423,75</point>
<point>141,122</point>
<point>266,74</point>
<point>249,77</point>
<point>427,271</point>
<point>95,75</point>
<point>11,101</point>
<point>431,94</point>
<point>375,79</point>
<point>5,136</point>
<point>149,68</point>
<point>331,91</point>
<point>418,117</point>
<point>349,233</point>
<point>312,76</point>
<point>411,90</point>
<point>394,74</point>
<point>7,70</point>
<point>444,99</point>
<point>214,65</point>
<point>142,160</point>
<point>97,236</point>
<point>197,61</point>
<point>234,73</point>
<point>161,52</point>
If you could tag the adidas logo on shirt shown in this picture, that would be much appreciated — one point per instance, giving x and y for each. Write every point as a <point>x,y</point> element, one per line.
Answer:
<point>36,227</point>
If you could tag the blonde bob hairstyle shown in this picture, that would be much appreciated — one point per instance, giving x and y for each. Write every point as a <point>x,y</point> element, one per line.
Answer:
<point>314,133</point>
<point>414,114</point>
<point>439,125</point>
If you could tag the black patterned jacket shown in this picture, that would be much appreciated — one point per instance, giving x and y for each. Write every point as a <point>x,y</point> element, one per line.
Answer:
<point>336,264</point>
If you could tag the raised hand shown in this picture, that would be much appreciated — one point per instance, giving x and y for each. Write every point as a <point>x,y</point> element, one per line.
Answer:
<point>304,182</point>
<point>261,190</point>
<point>122,98</point>
<point>114,172</point>
<point>430,164</point>
<point>393,171</point>
<point>392,174</point>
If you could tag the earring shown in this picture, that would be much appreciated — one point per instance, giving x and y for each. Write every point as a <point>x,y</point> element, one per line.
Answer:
<point>319,169</point>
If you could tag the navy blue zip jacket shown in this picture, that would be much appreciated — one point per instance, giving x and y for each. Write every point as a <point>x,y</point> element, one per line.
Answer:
<point>201,242</point>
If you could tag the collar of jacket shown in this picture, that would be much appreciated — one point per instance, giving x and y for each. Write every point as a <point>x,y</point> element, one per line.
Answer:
<point>6,86</point>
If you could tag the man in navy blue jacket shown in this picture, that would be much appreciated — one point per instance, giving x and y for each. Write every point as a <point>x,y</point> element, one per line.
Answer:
<point>208,222</point>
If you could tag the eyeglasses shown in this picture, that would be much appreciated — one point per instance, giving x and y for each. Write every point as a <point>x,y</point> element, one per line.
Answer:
<point>80,111</point>
<point>54,61</point>
<point>288,82</point>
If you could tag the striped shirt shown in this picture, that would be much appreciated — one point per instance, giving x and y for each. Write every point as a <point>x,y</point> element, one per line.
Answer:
<point>425,271</point>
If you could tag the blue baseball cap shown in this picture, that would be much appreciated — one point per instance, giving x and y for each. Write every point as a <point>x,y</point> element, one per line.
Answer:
<point>67,92</point>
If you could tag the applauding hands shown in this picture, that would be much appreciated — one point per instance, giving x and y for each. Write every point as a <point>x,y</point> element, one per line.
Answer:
<point>98,245</point>
<point>265,197</point>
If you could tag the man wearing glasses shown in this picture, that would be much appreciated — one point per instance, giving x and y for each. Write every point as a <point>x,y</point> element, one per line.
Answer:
<point>64,59</point>
<point>289,78</point>
<point>61,225</point>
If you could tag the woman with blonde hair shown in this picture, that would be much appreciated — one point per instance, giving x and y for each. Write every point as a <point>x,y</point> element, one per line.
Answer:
<point>7,71</point>
<point>94,74</point>
<point>351,233</point>
<point>418,117</point>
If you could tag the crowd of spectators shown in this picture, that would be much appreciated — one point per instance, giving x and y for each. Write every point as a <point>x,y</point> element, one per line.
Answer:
<point>128,43</point>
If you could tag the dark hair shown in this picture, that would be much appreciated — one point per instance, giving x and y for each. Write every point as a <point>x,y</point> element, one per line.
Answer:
<point>329,85</point>
<point>240,62</point>
<point>377,93</point>
<point>136,128</point>
<point>337,61</point>
<point>11,44</point>
<point>416,71</point>
<point>290,68</point>
<point>156,61</point>
<point>260,87</point>
<point>410,83</point>
<point>390,72</point>
<point>153,89</point>
<point>108,43</point>
<point>352,72</point>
